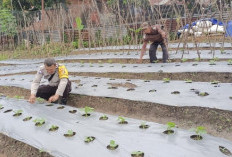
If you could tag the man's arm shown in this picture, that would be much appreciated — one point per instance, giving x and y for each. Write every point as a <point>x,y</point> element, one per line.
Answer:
<point>143,50</point>
<point>60,90</point>
<point>35,86</point>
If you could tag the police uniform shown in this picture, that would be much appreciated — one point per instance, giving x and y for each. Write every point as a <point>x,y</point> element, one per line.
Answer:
<point>58,83</point>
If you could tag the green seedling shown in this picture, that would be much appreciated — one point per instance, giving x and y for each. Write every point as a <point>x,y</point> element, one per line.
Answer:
<point>1,107</point>
<point>39,121</point>
<point>40,100</point>
<point>112,145</point>
<point>197,59</point>
<point>203,94</point>
<point>53,128</point>
<point>188,81</point>
<point>225,151</point>
<point>170,125</point>
<point>104,117</point>
<point>87,111</point>
<point>70,133</point>
<point>89,139</point>
<point>122,120</point>
<point>137,154</point>
<point>212,62</point>
<point>18,97</point>
<point>184,60</point>
<point>18,112</point>
<point>200,130</point>
<point>222,51</point>
<point>229,62</point>
<point>215,82</point>
<point>166,80</point>
<point>91,65</point>
<point>143,125</point>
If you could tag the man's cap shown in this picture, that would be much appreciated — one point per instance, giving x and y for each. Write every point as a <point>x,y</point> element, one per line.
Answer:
<point>144,25</point>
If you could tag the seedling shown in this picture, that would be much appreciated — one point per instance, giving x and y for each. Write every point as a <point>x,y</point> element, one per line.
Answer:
<point>137,154</point>
<point>215,82</point>
<point>53,128</point>
<point>166,80</point>
<point>87,111</point>
<point>1,107</point>
<point>70,133</point>
<point>91,65</point>
<point>199,131</point>
<point>40,100</point>
<point>143,125</point>
<point>18,97</point>
<point>222,51</point>
<point>230,97</point>
<point>188,81</point>
<point>104,117</point>
<point>112,145</point>
<point>184,60</point>
<point>212,62</point>
<point>197,59</point>
<point>39,121</point>
<point>229,62</point>
<point>122,120</point>
<point>170,126</point>
<point>18,113</point>
<point>203,94</point>
<point>27,118</point>
<point>89,139</point>
<point>123,66</point>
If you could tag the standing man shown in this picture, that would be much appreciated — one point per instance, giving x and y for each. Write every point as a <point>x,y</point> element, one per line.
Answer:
<point>59,85</point>
<point>157,36</point>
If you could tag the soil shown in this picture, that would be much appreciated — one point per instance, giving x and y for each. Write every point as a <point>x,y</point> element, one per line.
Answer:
<point>13,148</point>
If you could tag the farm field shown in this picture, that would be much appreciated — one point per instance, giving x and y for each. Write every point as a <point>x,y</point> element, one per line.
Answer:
<point>188,95</point>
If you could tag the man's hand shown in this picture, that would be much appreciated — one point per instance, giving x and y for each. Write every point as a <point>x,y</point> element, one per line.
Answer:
<point>53,98</point>
<point>32,99</point>
<point>140,61</point>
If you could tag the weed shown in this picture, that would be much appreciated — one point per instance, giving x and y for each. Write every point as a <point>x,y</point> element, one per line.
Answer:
<point>197,59</point>
<point>18,97</point>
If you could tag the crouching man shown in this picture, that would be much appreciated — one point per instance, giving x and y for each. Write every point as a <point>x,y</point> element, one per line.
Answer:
<point>59,85</point>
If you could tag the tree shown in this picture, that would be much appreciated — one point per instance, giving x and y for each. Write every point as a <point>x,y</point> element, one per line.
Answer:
<point>7,23</point>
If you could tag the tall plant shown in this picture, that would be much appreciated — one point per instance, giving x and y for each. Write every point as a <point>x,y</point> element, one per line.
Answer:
<point>80,27</point>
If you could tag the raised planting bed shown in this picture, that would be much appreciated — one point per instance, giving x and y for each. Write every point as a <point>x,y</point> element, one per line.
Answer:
<point>122,140</point>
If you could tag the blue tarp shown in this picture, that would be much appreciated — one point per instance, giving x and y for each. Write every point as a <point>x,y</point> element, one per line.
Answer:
<point>213,20</point>
<point>229,29</point>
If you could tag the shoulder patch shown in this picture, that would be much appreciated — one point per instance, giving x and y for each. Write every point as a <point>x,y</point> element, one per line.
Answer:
<point>63,72</point>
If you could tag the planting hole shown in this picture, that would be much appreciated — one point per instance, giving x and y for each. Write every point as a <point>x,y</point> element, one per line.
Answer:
<point>175,92</point>
<point>8,111</point>
<point>152,91</point>
<point>196,137</point>
<point>60,107</point>
<point>72,111</point>
<point>225,151</point>
<point>27,119</point>
<point>50,105</point>
<point>94,85</point>
<point>168,132</point>
<point>130,89</point>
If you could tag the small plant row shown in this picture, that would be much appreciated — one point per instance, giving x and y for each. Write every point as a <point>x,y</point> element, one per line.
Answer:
<point>112,145</point>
